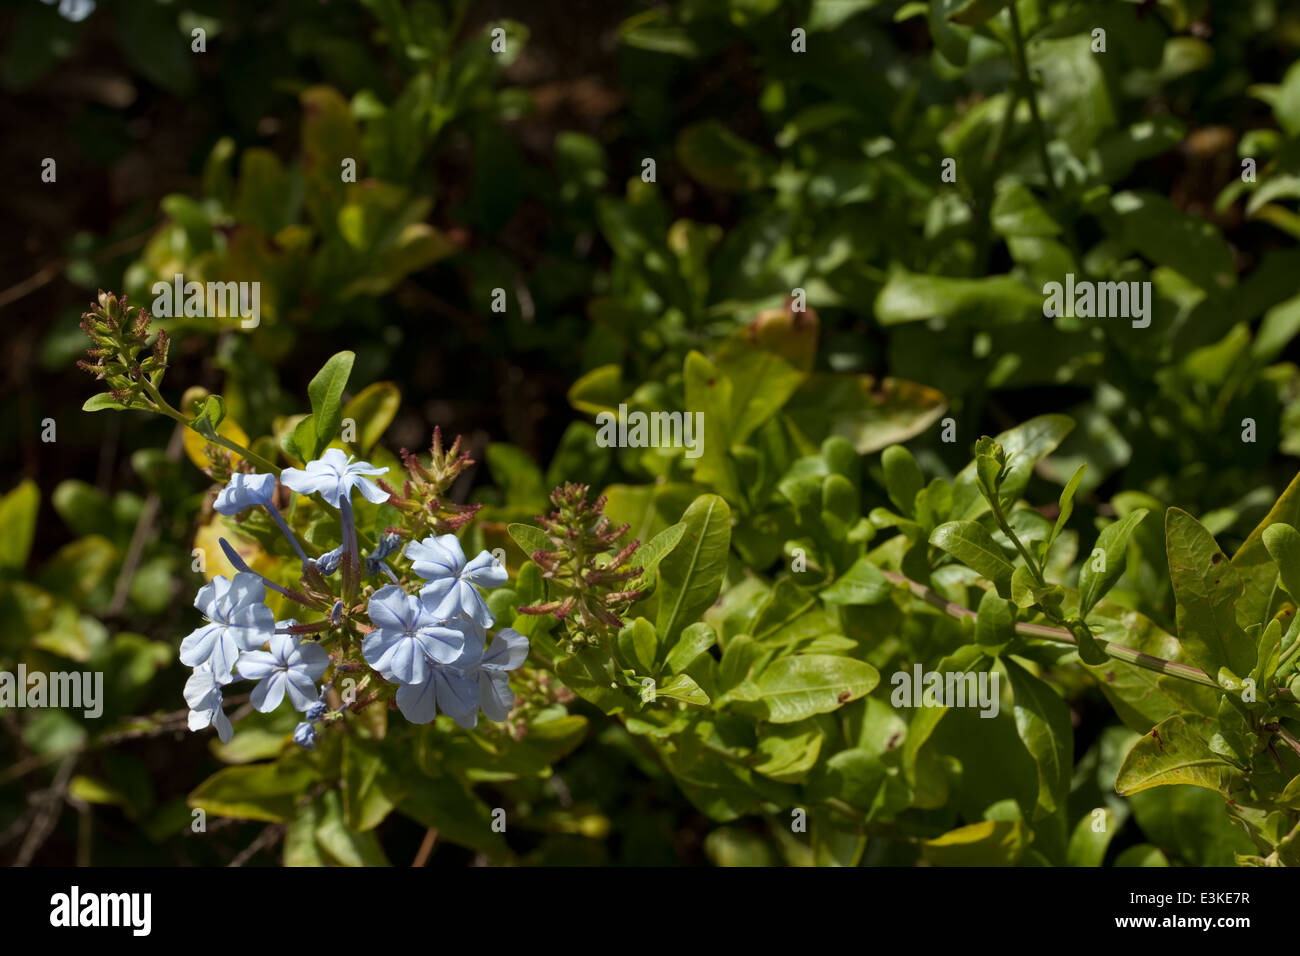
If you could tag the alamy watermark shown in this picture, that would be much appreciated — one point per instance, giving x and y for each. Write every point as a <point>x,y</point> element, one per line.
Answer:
<point>651,430</point>
<point>74,909</point>
<point>1086,300</point>
<point>208,300</point>
<point>68,690</point>
<point>921,688</point>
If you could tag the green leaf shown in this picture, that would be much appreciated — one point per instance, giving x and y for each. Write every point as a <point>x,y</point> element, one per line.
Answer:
<point>368,793</point>
<point>1043,722</point>
<point>1254,565</point>
<point>995,627</point>
<point>1170,237</point>
<point>801,685</point>
<point>1206,588</point>
<point>987,843</point>
<point>209,417</point>
<point>682,687</point>
<point>18,519</point>
<point>870,413</point>
<point>786,752</point>
<point>264,791</point>
<point>1143,698</point>
<point>1100,571</point>
<point>517,476</point>
<point>862,583</point>
<point>1073,95</point>
<point>762,379</point>
<point>974,547</point>
<point>648,556</point>
<point>708,393</point>
<point>642,644</point>
<point>325,391</point>
<point>971,12</point>
<point>994,300</point>
<point>600,390</point>
<point>347,847</point>
<point>721,160</point>
<point>372,411</point>
<point>903,478</point>
<point>1017,212</point>
<point>457,814</point>
<point>1091,837</point>
<point>591,674</point>
<point>1143,854</point>
<point>300,846</point>
<point>97,403</point>
<point>1172,753</point>
<point>861,778</point>
<point>695,640</point>
<point>1283,544</point>
<point>529,538</point>
<point>1066,505</point>
<point>690,577</point>
<point>1023,446</point>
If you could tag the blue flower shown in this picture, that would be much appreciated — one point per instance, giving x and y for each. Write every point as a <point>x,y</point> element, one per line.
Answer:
<point>509,649</point>
<point>248,491</point>
<point>73,10</point>
<point>238,620</point>
<point>245,491</point>
<point>446,688</point>
<point>316,711</point>
<point>203,695</point>
<point>290,665</point>
<point>328,562</point>
<point>407,638</point>
<point>451,589</point>
<point>334,475</point>
<point>304,735</point>
<point>388,543</point>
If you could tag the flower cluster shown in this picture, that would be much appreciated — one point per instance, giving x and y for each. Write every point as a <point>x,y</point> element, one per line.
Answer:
<point>424,630</point>
<point>118,334</point>
<point>586,568</point>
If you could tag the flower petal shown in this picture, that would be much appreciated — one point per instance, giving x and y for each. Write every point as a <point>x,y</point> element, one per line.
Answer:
<point>485,571</point>
<point>495,696</point>
<point>369,490</point>
<point>417,702</point>
<point>509,649</point>
<point>268,694</point>
<point>257,665</point>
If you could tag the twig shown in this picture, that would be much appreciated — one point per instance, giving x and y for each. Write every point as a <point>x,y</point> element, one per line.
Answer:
<point>1040,131</point>
<point>1043,632</point>
<point>268,837</point>
<point>426,847</point>
<point>48,272</point>
<point>143,528</point>
<point>51,803</point>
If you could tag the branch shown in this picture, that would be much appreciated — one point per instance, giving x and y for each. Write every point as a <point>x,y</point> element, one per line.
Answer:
<point>1043,632</point>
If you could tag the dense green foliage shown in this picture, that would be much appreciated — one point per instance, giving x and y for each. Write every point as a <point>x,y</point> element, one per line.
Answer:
<point>849,322</point>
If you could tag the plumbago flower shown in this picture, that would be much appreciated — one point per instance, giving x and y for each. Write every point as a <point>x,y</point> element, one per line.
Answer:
<point>237,620</point>
<point>203,695</point>
<point>289,665</point>
<point>407,616</point>
<point>418,634</point>
<point>452,581</point>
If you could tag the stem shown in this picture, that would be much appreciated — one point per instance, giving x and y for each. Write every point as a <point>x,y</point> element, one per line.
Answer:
<point>984,200</point>
<point>1039,130</point>
<point>1042,632</point>
<point>996,505</point>
<point>164,408</point>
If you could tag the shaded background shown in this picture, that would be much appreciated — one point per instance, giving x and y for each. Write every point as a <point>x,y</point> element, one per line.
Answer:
<point>132,116</point>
